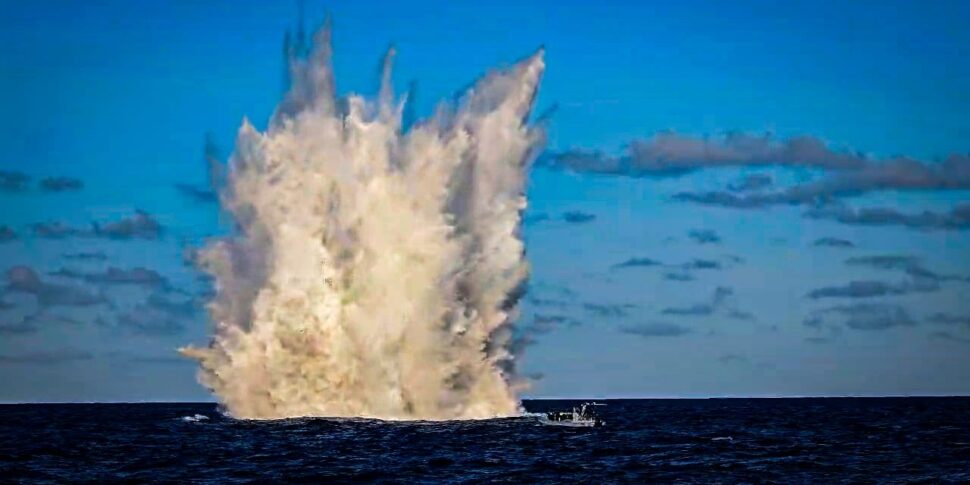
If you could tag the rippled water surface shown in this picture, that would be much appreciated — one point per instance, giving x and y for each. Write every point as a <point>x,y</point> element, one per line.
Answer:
<point>722,440</point>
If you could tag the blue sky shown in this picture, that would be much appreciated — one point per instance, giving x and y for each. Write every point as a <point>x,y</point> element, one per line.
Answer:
<point>120,94</point>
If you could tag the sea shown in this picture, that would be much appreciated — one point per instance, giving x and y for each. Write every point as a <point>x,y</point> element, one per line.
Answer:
<point>785,441</point>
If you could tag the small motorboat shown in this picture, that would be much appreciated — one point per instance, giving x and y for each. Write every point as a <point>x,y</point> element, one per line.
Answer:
<point>582,416</point>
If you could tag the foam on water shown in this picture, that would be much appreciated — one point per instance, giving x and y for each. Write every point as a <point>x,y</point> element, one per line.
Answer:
<point>376,268</point>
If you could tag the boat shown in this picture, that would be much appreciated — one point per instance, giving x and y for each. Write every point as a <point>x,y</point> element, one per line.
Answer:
<point>582,416</point>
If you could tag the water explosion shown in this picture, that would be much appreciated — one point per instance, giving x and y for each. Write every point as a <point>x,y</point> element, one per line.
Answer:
<point>376,268</point>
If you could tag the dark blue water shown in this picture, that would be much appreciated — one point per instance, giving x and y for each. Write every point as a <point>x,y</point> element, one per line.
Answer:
<point>725,441</point>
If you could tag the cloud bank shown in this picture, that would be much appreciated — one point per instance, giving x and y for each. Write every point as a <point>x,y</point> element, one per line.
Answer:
<point>7,234</point>
<point>863,316</point>
<point>23,279</point>
<point>848,174</point>
<point>655,329</point>
<point>140,225</point>
<point>869,288</point>
<point>957,218</point>
<point>719,303</point>
<point>61,184</point>
<point>833,242</point>
<point>12,181</point>
<point>669,154</point>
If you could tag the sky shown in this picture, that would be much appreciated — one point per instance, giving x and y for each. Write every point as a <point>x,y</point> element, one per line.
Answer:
<point>754,199</point>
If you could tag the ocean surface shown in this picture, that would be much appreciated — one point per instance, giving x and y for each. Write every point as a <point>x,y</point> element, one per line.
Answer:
<point>858,440</point>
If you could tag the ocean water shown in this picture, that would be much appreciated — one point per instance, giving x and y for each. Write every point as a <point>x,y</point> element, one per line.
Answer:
<point>858,440</point>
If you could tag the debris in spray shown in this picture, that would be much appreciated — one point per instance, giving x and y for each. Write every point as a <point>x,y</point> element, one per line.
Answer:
<point>376,268</point>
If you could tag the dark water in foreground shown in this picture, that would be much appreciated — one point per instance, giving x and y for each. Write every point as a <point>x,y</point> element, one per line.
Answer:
<point>725,441</point>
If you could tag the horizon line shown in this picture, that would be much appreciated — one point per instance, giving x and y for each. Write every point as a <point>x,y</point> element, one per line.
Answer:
<point>553,398</point>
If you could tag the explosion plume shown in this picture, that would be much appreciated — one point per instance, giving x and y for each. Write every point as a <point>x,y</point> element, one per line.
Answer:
<point>376,268</point>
